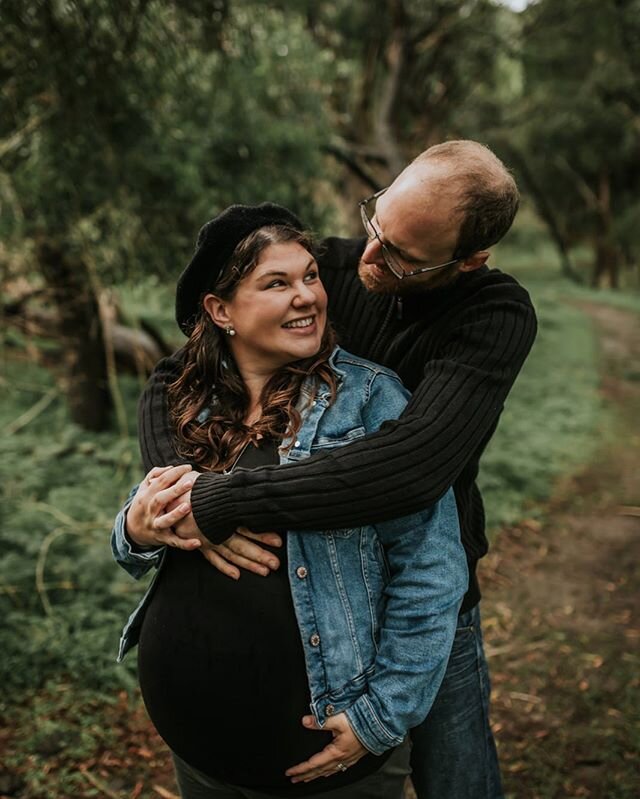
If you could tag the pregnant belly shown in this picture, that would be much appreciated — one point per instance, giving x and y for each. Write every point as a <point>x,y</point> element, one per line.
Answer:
<point>222,673</point>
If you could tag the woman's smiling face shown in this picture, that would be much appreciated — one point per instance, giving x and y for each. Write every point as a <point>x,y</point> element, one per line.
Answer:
<point>278,311</point>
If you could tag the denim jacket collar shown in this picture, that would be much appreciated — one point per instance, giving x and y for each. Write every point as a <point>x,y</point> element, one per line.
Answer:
<point>315,398</point>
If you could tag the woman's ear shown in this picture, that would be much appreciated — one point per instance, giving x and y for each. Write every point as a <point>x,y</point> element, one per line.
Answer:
<point>217,310</point>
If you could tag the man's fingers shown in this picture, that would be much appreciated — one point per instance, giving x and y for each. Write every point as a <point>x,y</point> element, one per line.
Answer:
<point>220,563</point>
<point>273,539</point>
<point>187,544</point>
<point>240,560</point>
<point>171,518</point>
<point>244,548</point>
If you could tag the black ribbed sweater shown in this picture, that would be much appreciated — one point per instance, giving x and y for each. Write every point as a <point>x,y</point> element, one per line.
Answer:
<point>458,349</point>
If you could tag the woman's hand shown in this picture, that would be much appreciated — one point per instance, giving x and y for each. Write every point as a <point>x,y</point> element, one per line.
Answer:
<point>146,524</point>
<point>344,751</point>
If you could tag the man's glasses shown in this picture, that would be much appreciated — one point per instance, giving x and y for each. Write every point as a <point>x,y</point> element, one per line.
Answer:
<point>393,261</point>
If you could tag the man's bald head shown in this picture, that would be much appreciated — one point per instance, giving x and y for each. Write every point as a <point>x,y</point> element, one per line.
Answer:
<point>485,193</point>
<point>438,218</point>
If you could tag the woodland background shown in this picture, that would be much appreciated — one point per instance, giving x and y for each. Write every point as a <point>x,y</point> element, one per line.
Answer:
<point>124,125</point>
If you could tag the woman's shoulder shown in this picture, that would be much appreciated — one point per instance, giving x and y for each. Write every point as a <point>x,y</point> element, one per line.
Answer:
<point>368,393</point>
<point>368,383</point>
<point>343,361</point>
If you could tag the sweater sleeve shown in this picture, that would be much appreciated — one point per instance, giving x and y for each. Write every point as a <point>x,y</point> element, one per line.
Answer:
<point>409,463</point>
<point>157,443</point>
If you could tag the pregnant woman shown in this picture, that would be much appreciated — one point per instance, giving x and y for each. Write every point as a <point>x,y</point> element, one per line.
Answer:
<point>353,631</point>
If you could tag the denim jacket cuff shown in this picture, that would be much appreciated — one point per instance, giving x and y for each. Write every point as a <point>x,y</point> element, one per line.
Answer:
<point>368,727</point>
<point>134,559</point>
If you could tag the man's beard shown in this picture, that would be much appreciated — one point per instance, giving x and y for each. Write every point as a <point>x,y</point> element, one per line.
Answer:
<point>388,283</point>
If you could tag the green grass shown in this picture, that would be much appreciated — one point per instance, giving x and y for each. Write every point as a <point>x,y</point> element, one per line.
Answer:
<point>553,418</point>
<point>553,415</point>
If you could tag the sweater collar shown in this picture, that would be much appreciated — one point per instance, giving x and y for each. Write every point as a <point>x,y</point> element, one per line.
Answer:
<point>416,304</point>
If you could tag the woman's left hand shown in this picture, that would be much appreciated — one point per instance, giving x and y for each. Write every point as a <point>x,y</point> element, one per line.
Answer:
<point>344,751</point>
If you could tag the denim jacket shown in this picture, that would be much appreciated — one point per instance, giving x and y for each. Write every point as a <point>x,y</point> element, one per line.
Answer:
<point>377,605</point>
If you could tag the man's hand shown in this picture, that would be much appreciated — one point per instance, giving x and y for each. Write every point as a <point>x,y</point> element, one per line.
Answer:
<point>238,549</point>
<point>146,525</point>
<point>344,751</point>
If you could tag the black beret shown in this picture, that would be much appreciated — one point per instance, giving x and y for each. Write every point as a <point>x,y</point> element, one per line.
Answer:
<point>216,242</point>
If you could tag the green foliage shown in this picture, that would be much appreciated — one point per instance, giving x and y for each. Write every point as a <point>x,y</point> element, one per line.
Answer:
<point>577,121</point>
<point>132,129</point>
<point>61,599</point>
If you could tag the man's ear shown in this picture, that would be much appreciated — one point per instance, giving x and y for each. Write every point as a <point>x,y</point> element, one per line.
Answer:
<point>217,310</point>
<point>474,261</point>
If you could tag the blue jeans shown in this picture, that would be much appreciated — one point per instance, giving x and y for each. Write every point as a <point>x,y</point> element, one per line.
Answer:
<point>454,754</point>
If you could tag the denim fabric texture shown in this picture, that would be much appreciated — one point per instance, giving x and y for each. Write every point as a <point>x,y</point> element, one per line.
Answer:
<point>454,754</point>
<point>377,606</point>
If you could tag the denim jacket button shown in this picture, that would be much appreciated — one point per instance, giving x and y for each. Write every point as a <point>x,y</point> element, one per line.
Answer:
<point>301,572</point>
<point>297,444</point>
<point>329,710</point>
<point>315,640</point>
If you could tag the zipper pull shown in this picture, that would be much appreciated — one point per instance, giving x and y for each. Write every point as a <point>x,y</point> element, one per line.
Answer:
<point>398,308</point>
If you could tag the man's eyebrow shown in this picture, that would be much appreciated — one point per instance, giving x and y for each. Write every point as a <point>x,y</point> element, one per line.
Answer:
<point>394,247</point>
<point>402,252</point>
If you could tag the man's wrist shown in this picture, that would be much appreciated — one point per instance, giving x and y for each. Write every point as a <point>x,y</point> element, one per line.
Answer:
<point>212,507</point>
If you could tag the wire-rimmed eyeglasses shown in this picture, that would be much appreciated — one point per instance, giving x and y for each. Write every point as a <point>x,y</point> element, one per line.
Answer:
<point>391,260</point>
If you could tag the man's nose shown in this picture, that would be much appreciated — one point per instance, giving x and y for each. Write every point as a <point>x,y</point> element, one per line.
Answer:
<point>373,253</point>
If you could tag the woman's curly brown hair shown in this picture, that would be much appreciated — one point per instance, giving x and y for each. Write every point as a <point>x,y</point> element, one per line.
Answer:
<point>211,381</point>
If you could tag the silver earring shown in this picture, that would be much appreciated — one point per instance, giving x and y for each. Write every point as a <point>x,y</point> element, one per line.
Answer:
<point>229,330</point>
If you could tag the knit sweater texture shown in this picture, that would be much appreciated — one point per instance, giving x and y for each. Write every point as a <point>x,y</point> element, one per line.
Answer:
<point>458,349</point>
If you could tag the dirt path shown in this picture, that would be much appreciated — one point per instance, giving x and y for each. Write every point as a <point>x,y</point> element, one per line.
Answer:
<point>560,602</point>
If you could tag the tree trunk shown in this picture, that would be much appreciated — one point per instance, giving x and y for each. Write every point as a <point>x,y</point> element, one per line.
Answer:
<point>607,260</point>
<point>396,57</point>
<point>545,211</point>
<point>70,289</point>
<point>606,265</point>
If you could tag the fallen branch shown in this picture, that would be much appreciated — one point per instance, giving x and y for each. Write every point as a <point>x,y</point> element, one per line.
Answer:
<point>100,785</point>
<point>40,564</point>
<point>136,349</point>
<point>164,793</point>
<point>530,698</point>
<point>628,510</point>
<point>34,411</point>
